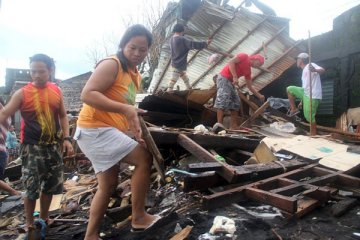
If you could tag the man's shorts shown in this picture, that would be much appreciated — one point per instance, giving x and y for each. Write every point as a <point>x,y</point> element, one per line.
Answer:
<point>227,97</point>
<point>42,170</point>
<point>13,153</point>
<point>176,73</point>
<point>3,162</point>
<point>299,93</point>
<point>104,146</point>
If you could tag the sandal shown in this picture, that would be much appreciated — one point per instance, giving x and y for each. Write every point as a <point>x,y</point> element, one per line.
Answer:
<point>294,113</point>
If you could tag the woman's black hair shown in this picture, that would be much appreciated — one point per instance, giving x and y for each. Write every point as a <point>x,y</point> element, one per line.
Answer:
<point>43,58</point>
<point>132,31</point>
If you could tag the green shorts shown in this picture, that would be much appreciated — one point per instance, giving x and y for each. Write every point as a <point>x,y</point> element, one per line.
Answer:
<point>42,170</point>
<point>298,92</point>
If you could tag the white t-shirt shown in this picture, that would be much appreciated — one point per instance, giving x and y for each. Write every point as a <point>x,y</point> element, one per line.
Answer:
<point>315,79</point>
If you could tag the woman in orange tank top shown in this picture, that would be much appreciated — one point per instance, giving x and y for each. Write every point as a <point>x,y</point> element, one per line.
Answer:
<point>108,112</point>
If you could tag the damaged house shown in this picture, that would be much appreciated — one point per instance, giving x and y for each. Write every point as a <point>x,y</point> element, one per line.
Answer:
<point>266,180</point>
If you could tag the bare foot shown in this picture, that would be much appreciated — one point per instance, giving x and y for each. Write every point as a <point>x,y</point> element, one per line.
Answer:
<point>144,221</point>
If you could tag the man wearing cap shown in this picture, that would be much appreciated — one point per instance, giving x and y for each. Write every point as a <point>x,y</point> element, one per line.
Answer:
<point>303,93</point>
<point>227,97</point>
<point>180,47</point>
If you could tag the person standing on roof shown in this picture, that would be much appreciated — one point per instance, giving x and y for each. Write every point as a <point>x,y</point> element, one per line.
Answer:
<point>180,47</point>
<point>227,97</point>
<point>303,93</point>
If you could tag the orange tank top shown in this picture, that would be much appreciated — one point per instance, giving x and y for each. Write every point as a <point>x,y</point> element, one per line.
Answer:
<point>123,90</point>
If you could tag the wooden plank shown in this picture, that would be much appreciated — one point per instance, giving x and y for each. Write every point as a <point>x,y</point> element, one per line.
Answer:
<point>204,166</point>
<point>251,104</point>
<point>288,204</point>
<point>305,206</point>
<point>227,172</point>
<point>224,198</point>
<point>244,173</point>
<point>236,194</point>
<point>183,234</point>
<point>119,214</point>
<point>157,157</point>
<point>202,182</point>
<point>333,130</point>
<point>170,137</point>
<point>259,111</point>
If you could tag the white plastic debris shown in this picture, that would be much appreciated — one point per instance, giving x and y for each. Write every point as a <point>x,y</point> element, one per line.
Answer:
<point>222,133</point>
<point>177,228</point>
<point>287,127</point>
<point>201,129</point>
<point>223,224</point>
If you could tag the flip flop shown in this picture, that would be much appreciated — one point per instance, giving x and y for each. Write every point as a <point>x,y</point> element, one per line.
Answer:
<point>291,114</point>
<point>152,225</point>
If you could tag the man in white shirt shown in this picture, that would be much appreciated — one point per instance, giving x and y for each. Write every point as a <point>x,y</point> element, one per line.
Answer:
<point>303,92</point>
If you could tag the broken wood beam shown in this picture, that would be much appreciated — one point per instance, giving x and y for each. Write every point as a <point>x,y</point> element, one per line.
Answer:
<point>341,207</point>
<point>244,173</point>
<point>285,203</point>
<point>333,130</point>
<point>227,171</point>
<point>157,157</point>
<point>119,214</point>
<point>204,167</point>
<point>183,234</point>
<point>251,104</point>
<point>259,111</point>
<point>70,220</point>
<point>170,137</point>
<point>202,182</point>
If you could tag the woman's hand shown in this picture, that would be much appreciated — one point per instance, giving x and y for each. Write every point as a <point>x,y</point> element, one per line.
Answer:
<point>131,114</point>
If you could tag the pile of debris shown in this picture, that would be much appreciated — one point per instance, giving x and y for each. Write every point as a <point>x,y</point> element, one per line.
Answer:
<point>261,181</point>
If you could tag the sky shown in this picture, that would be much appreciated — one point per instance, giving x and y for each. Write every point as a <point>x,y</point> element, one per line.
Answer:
<point>71,31</point>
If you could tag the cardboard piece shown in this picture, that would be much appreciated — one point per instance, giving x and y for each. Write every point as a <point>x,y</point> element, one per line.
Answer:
<point>55,203</point>
<point>331,154</point>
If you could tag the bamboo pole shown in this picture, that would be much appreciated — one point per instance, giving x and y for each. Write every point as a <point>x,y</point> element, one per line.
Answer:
<point>310,79</point>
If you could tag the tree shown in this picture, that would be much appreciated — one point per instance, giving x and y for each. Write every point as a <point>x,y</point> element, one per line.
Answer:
<point>149,15</point>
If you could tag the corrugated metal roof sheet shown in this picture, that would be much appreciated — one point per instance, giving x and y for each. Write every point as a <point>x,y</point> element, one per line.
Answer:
<point>242,31</point>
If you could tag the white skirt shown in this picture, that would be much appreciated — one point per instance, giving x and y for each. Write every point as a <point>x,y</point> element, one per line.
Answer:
<point>104,147</point>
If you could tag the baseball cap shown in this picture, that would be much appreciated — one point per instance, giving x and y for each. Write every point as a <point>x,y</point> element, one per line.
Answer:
<point>303,55</point>
<point>258,57</point>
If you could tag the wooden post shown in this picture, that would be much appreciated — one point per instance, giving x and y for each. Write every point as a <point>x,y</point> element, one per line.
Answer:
<point>310,79</point>
<point>157,157</point>
<point>259,111</point>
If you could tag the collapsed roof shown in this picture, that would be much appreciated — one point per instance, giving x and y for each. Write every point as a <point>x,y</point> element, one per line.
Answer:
<point>231,31</point>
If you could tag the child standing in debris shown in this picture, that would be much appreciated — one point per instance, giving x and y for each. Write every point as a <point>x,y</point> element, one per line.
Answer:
<point>12,144</point>
<point>303,93</point>
<point>180,47</point>
<point>42,109</point>
<point>107,114</point>
<point>227,97</point>
<point>3,156</point>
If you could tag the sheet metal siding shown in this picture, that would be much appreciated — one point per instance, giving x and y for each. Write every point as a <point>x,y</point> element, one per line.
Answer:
<point>206,20</point>
<point>326,106</point>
